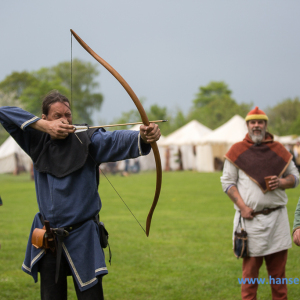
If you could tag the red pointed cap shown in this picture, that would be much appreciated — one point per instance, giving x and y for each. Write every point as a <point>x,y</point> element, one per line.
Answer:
<point>256,114</point>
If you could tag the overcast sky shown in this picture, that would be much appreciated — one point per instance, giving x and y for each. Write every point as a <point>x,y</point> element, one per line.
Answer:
<point>165,49</point>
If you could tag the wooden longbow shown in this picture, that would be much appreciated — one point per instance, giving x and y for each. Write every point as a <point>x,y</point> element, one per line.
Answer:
<point>144,119</point>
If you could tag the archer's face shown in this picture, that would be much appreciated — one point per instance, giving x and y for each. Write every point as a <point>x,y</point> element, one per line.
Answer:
<point>257,130</point>
<point>59,110</point>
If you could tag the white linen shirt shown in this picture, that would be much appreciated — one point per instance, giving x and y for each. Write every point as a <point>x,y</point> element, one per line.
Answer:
<point>267,234</point>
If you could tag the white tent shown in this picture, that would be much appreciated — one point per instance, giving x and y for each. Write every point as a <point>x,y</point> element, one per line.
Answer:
<point>231,132</point>
<point>287,139</point>
<point>12,157</point>
<point>184,140</point>
<point>212,147</point>
<point>188,134</point>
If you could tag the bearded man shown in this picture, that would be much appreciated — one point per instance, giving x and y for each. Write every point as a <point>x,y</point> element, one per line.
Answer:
<point>263,211</point>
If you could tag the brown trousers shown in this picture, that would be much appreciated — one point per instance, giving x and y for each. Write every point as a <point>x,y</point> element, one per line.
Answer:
<point>276,269</point>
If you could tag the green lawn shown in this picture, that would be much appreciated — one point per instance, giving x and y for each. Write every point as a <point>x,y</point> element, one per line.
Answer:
<point>188,254</point>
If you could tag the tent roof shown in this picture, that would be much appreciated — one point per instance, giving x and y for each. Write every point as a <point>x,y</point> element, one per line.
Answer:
<point>10,147</point>
<point>231,132</point>
<point>188,134</point>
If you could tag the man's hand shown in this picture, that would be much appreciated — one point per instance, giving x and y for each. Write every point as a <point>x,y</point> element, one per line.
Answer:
<point>282,183</point>
<point>296,237</point>
<point>246,212</point>
<point>58,129</point>
<point>236,198</point>
<point>150,134</point>
<point>274,183</point>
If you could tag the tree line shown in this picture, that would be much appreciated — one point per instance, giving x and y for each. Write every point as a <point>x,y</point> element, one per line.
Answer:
<point>212,106</point>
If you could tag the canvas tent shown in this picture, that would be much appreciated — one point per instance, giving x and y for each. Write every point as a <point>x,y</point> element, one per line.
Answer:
<point>182,143</point>
<point>12,157</point>
<point>287,139</point>
<point>188,134</point>
<point>212,147</point>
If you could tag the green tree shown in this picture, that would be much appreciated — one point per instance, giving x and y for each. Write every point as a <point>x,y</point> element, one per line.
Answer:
<point>213,105</point>
<point>160,113</point>
<point>154,113</point>
<point>30,88</point>
<point>7,99</point>
<point>15,83</point>
<point>176,119</point>
<point>83,86</point>
<point>32,95</point>
<point>284,118</point>
<point>179,120</point>
<point>130,116</point>
<point>157,113</point>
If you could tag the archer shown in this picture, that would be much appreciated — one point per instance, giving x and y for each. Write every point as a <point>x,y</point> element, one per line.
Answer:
<point>66,172</point>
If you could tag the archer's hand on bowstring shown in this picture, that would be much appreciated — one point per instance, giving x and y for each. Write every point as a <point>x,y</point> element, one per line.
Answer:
<point>150,134</point>
<point>58,129</point>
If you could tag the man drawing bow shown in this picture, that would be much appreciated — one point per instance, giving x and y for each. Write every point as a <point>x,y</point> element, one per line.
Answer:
<point>66,177</point>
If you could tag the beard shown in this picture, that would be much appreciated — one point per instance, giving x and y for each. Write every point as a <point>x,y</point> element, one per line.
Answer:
<point>257,138</point>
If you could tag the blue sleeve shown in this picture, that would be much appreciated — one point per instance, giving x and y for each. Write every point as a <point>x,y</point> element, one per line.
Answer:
<point>109,146</point>
<point>15,121</point>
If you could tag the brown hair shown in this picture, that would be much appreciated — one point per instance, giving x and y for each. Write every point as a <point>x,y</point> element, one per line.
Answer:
<point>53,97</point>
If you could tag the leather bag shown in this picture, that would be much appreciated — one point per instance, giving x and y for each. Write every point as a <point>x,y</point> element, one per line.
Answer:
<point>240,248</point>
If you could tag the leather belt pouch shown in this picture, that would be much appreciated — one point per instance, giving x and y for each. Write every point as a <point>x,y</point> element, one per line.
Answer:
<point>39,238</point>
<point>103,235</point>
<point>241,244</point>
<point>240,248</point>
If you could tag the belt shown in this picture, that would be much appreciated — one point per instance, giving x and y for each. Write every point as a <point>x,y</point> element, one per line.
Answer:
<point>61,234</point>
<point>265,211</point>
<point>75,226</point>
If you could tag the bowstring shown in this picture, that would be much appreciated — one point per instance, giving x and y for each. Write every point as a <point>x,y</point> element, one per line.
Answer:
<point>71,74</point>
<point>122,200</point>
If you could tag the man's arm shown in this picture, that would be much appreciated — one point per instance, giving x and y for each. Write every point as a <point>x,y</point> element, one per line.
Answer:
<point>108,146</point>
<point>289,180</point>
<point>60,129</point>
<point>296,226</point>
<point>15,121</point>
<point>282,183</point>
<point>229,181</point>
<point>236,198</point>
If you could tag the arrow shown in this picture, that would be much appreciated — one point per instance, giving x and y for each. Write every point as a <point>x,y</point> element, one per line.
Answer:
<point>81,128</point>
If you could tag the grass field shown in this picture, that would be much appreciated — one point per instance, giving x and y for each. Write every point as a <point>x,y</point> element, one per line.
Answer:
<point>188,254</point>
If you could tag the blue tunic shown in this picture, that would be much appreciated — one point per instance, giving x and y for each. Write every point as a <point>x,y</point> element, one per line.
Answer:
<point>73,198</point>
